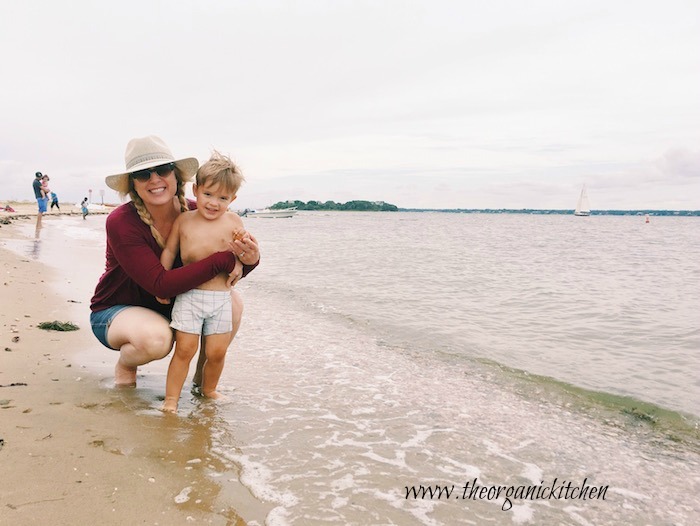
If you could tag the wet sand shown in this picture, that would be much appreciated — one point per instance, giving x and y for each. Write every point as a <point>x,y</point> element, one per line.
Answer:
<point>75,450</point>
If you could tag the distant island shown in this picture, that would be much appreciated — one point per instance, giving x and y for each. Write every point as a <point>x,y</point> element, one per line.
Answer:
<point>356,206</point>
<point>381,206</point>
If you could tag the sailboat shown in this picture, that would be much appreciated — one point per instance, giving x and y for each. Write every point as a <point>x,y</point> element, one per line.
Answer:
<point>582,207</point>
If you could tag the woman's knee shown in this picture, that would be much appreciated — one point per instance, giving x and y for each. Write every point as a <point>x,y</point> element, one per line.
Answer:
<point>148,332</point>
<point>156,344</point>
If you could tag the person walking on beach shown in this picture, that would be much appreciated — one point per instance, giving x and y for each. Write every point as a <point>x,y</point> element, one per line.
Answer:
<point>38,194</point>
<point>84,207</point>
<point>54,201</point>
<point>126,316</point>
<point>206,310</point>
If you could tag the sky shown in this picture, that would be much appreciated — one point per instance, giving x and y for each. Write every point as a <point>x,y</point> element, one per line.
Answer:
<point>422,104</point>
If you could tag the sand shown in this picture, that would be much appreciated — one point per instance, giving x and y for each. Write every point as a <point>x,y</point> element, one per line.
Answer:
<point>75,450</point>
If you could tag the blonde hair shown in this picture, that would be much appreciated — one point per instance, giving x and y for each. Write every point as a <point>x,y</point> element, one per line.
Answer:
<point>221,170</point>
<point>145,215</point>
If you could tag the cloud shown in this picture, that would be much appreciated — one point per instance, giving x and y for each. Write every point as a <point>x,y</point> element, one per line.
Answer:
<point>679,164</point>
<point>432,103</point>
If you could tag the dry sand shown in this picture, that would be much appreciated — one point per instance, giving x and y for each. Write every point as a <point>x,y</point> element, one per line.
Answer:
<point>73,449</point>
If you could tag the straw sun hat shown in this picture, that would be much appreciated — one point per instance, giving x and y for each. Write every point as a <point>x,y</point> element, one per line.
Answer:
<point>148,152</point>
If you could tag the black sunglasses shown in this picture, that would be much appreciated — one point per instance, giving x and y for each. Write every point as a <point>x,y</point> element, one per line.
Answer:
<point>144,175</point>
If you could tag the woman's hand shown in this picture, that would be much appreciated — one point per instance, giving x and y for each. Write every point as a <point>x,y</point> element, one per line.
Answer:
<point>236,274</point>
<point>246,249</point>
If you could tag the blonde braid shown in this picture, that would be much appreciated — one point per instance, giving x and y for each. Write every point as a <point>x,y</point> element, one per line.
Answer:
<point>145,216</point>
<point>184,206</point>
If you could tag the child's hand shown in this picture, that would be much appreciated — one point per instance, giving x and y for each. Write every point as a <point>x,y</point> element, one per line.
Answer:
<point>164,301</point>
<point>240,234</point>
<point>235,275</point>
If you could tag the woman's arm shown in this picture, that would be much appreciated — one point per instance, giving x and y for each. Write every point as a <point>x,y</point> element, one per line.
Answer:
<point>248,246</point>
<point>138,254</point>
<point>172,246</point>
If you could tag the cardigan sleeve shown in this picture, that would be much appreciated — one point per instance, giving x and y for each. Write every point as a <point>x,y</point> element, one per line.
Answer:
<point>139,256</point>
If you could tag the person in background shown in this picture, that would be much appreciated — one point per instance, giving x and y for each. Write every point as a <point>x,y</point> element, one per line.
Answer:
<point>54,201</point>
<point>126,316</point>
<point>45,190</point>
<point>40,199</point>
<point>84,207</point>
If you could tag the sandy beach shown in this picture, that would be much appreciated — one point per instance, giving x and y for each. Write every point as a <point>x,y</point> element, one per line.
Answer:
<point>74,450</point>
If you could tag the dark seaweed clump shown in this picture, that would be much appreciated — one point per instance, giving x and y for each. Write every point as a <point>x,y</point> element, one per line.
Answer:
<point>58,326</point>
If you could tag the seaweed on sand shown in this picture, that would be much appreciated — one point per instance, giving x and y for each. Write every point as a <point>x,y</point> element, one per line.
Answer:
<point>58,326</point>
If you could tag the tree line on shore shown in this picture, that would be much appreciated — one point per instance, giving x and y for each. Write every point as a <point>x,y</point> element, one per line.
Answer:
<point>358,206</point>
<point>381,206</point>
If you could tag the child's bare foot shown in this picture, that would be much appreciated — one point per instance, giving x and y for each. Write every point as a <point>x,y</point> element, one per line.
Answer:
<point>124,376</point>
<point>215,395</point>
<point>169,406</point>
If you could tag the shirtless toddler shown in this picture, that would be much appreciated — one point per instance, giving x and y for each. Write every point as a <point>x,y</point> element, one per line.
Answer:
<point>205,310</point>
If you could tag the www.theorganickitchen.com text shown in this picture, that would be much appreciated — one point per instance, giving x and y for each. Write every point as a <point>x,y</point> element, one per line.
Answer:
<point>472,490</point>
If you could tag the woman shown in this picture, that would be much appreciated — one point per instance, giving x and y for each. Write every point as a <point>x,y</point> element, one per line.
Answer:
<point>125,313</point>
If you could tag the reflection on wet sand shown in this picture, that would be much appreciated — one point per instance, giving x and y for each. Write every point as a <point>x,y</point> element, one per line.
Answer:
<point>36,244</point>
<point>209,483</point>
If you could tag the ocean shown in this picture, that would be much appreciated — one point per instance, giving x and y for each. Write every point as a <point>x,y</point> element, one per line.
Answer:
<point>382,354</point>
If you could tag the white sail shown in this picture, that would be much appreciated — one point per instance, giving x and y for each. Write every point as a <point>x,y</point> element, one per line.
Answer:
<point>582,207</point>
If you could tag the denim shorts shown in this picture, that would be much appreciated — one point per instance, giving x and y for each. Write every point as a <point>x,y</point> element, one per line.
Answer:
<point>42,202</point>
<point>101,320</point>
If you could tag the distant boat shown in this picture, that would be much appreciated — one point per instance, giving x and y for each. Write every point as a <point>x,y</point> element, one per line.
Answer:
<point>582,207</point>
<point>267,212</point>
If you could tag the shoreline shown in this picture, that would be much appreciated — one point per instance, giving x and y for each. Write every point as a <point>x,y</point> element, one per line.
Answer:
<point>74,448</point>
<point>26,209</point>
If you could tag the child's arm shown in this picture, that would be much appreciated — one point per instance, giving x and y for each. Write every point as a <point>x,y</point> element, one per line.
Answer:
<point>172,247</point>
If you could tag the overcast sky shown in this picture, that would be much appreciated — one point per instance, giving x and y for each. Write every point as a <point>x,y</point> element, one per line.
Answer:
<point>435,103</point>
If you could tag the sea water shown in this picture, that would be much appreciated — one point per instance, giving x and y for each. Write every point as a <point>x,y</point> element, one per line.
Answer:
<point>382,353</point>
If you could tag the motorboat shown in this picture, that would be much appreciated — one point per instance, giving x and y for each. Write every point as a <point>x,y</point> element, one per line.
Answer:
<point>271,212</point>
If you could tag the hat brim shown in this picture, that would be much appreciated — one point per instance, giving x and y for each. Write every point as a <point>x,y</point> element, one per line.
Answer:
<point>120,182</point>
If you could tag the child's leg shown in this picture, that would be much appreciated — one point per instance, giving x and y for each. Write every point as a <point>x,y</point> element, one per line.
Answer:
<point>216,345</point>
<point>185,348</point>
<point>237,316</point>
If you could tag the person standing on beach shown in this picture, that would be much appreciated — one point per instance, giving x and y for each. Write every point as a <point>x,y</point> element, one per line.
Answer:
<point>204,311</point>
<point>54,201</point>
<point>126,316</point>
<point>45,190</point>
<point>40,199</point>
<point>84,207</point>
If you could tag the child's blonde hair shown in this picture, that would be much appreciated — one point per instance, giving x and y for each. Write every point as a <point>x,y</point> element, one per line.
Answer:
<point>221,170</point>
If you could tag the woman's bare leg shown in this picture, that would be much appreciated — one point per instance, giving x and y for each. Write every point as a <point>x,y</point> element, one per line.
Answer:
<point>141,335</point>
<point>237,308</point>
